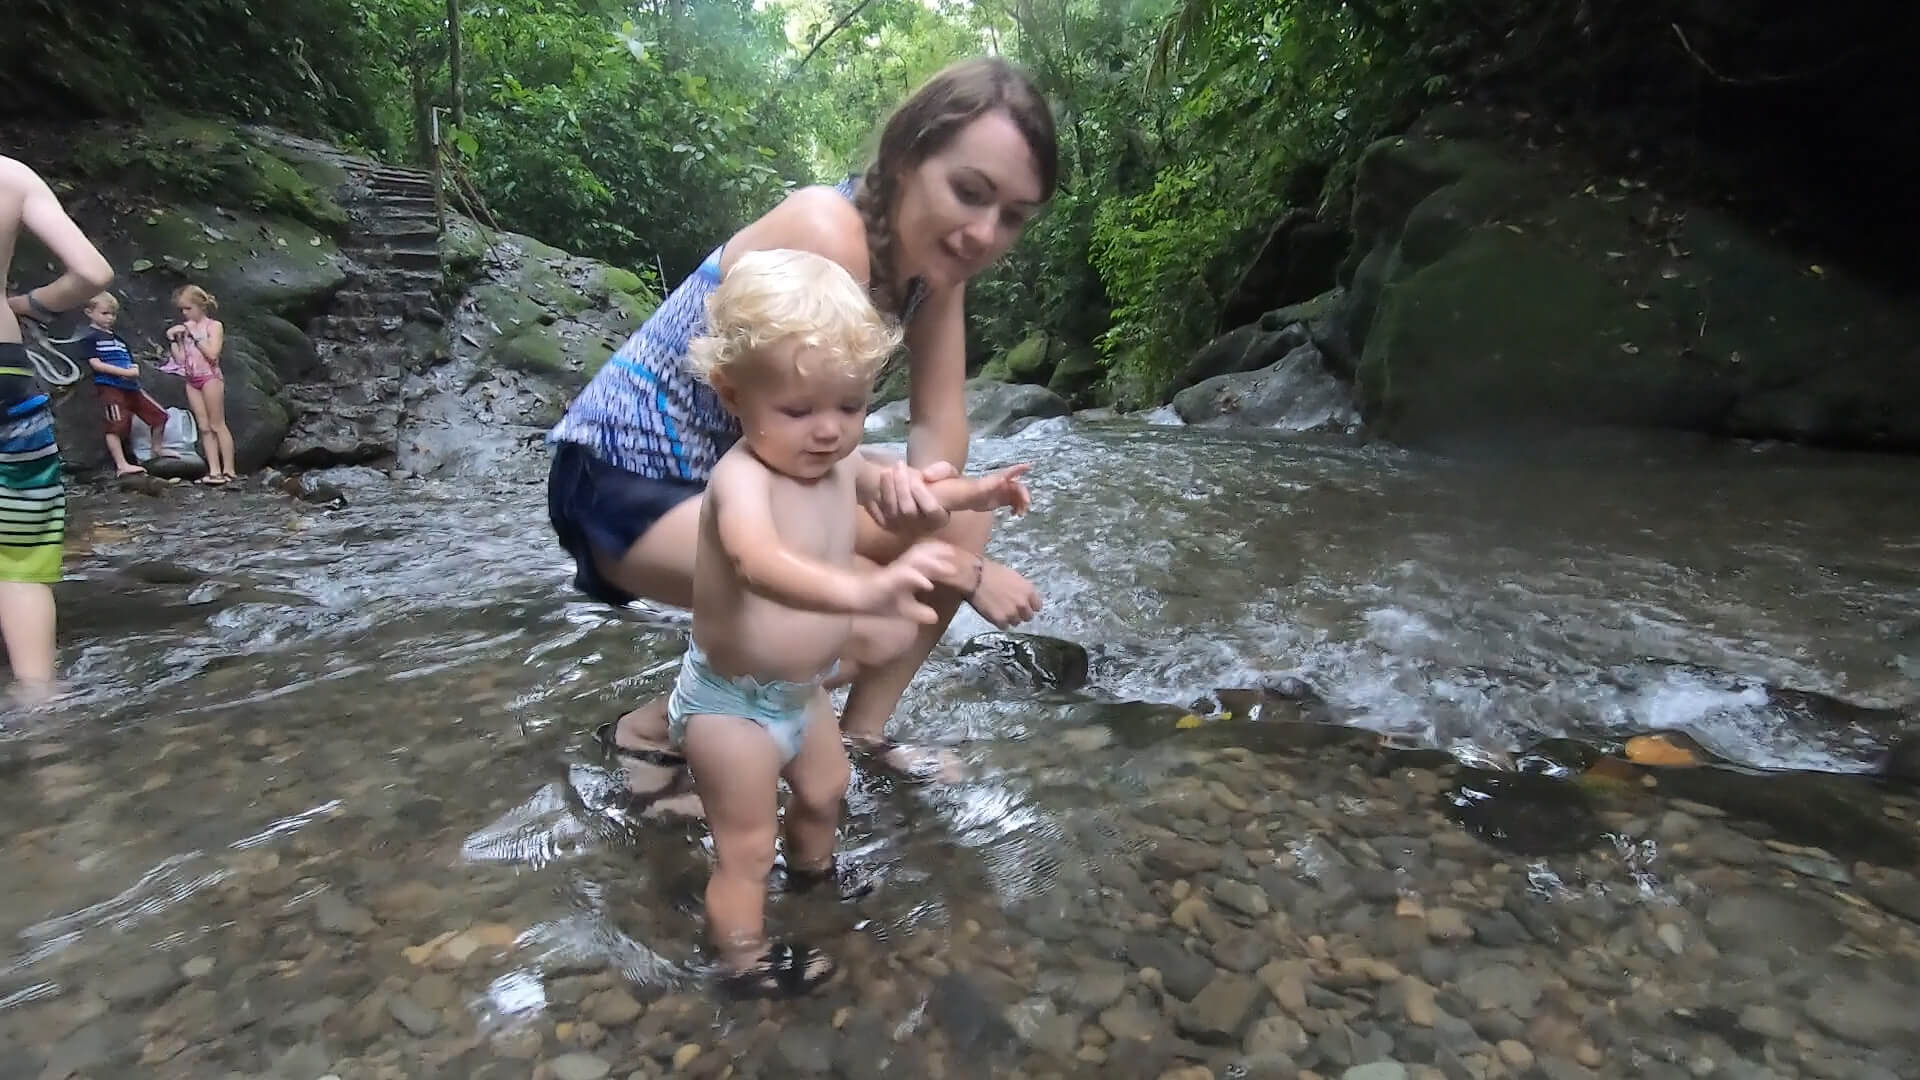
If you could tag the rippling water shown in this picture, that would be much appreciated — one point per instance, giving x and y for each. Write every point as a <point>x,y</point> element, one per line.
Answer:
<point>300,703</point>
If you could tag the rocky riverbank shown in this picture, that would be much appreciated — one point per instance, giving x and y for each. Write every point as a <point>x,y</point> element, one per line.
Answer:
<point>1278,901</point>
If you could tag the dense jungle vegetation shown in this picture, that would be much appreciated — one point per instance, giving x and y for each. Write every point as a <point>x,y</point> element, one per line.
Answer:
<point>642,131</point>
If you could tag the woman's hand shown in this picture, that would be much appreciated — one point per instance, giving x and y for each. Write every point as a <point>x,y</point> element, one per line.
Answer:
<point>1003,597</point>
<point>899,498</point>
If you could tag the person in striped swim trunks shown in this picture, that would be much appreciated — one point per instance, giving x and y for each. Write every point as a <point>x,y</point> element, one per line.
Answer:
<point>33,502</point>
<point>961,167</point>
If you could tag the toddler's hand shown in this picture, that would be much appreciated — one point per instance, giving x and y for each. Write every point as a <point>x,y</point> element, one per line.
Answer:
<point>901,501</point>
<point>175,331</point>
<point>896,586</point>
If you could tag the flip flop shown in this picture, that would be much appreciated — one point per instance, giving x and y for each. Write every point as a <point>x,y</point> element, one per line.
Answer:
<point>675,797</point>
<point>783,971</point>
<point>924,764</point>
<point>666,759</point>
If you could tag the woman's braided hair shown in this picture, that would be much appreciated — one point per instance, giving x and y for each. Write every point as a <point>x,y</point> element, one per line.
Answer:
<point>923,125</point>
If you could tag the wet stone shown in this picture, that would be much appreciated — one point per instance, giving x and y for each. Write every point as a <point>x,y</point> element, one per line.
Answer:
<point>614,1008</point>
<point>1220,1010</point>
<point>1128,1022</point>
<point>807,1049</point>
<point>1871,1012</point>
<point>1767,1021</point>
<point>1242,952</point>
<point>1899,894</point>
<point>1770,924</point>
<point>142,984</point>
<point>578,1067</point>
<point>1174,857</point>
<point>1559,1068</point>
<point>333,914</point>
<point>1378,1070</point>
<point>1243,898</point>
<point>1275,1034</point>
<point>1097,990</point>
<point>1183,973</point>
<point>1502,986</point>
<point>410,1014</point>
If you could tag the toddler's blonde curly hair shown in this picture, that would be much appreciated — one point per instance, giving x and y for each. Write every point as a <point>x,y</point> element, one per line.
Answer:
<point>771,296</point>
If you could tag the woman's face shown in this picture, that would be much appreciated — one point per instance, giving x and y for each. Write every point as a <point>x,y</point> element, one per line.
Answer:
<point>967,203</point>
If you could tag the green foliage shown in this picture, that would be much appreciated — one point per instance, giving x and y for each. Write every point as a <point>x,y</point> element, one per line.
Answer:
<point>300,65</point>
<point>644,132</point>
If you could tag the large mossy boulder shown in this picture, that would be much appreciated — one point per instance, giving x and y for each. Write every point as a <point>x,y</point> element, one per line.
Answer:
<point>1491,291</point>
<point>532,325</point>
<point>1031,361</point>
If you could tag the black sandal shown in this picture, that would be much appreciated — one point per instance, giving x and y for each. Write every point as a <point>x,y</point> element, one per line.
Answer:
<point>851,884</point>
<point>642,804</point>
<point>666,759</point>
<point>783,971</point>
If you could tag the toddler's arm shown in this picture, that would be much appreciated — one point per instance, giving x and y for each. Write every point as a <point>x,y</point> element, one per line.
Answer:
<point>740,494</point>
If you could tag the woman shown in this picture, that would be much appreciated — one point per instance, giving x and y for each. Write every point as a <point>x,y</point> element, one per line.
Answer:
<point>194,348</point>
<point>961,167</point>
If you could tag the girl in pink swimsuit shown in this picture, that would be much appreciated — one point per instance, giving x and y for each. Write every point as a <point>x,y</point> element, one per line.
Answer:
<point>194,353</point>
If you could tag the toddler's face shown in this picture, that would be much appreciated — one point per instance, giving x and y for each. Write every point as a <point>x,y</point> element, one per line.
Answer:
<point>798,425</point>
<point>103,316</point>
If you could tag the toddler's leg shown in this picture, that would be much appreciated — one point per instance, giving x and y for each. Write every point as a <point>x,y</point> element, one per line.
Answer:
<point>736,770</point>
<point>818,776</point>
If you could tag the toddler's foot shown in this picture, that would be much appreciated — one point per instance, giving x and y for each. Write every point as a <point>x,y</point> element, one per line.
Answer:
<point>782,971</point>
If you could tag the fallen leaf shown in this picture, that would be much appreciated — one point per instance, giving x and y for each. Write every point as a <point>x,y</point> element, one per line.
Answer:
<point>1515,229</point>
<point>1188,720</point>
<point>141,266</point>
<point>1817,270</point>
<point>1630,348</point>
<point>1657,750</point>
<point>1643,305</point>
<point>313,241</point>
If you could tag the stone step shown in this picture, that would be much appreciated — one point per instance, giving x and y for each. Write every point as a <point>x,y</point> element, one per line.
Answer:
<point>403,231</point>
<point>357,302</point>
<point>389,258</point>
<point>335,331</point>
<point>399,181</point>
<point>421,205</point>
<point>383,278</point>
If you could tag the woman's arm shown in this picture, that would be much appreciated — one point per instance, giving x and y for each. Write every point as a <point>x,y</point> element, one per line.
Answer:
<point>937,385</point>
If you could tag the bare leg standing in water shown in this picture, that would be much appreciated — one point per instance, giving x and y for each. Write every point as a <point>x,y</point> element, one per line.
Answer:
<point>34,529</point>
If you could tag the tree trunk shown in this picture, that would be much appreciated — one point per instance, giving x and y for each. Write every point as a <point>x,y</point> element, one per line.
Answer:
<point>458,97</point>
<point>422,114</point>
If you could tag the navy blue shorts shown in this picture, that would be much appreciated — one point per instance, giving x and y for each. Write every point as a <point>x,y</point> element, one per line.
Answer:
<point>597,507</point>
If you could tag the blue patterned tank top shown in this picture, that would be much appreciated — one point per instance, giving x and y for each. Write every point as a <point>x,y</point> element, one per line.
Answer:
<point>645,411</point>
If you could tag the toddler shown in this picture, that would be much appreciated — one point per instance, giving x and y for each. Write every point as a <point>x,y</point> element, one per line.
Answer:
<point>791,349</point>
